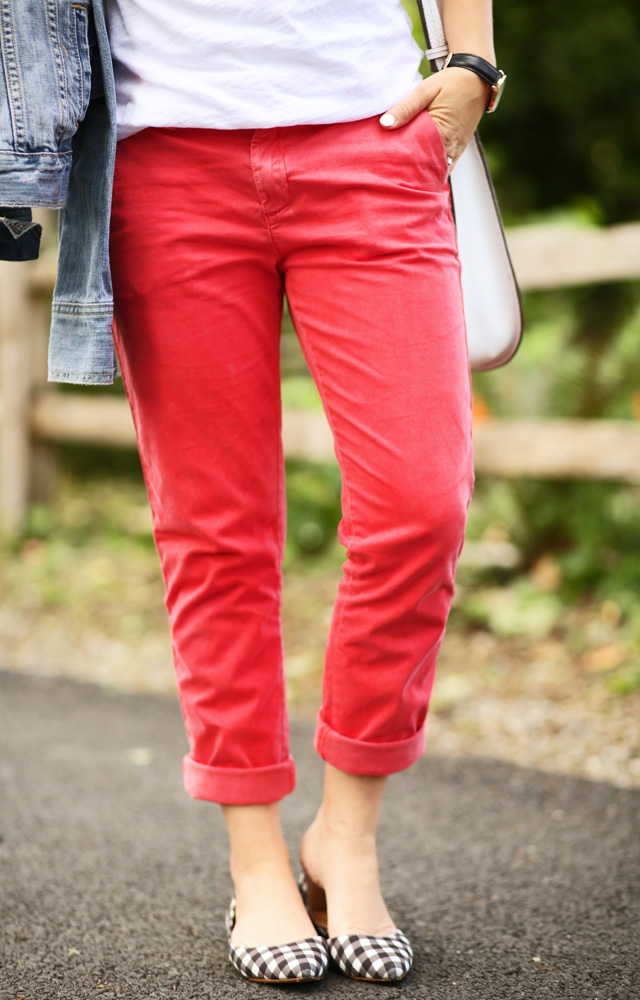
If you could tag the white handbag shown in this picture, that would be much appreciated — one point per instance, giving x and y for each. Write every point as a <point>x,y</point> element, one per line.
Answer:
<point>492,302</point>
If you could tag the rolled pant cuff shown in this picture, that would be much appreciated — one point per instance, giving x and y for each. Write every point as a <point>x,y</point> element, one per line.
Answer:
<point>362,757</point>
<point>238,786</point>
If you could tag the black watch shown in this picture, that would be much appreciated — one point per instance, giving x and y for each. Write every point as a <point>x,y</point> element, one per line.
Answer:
<point>494,77</point>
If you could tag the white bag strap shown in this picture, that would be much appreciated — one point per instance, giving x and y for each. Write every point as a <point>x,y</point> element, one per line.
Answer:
<point>437,48</point>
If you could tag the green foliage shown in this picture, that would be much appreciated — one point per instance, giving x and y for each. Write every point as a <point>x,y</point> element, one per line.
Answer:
<point>313,507</point>
<point>590,529</point>
<point>299,392</point>
<point>567,132</point>
<point>580,356</point>
<point>625,681</point>
<point>521,609</point>
<point>84,461</point>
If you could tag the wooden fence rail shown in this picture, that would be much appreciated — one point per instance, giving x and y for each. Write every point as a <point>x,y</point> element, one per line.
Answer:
<point>554,449</point>
<point>35,416</point>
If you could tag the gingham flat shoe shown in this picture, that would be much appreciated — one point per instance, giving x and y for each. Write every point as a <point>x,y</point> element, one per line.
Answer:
<point>360,956</point>
<point>380,958</point>
<point>282,963</point>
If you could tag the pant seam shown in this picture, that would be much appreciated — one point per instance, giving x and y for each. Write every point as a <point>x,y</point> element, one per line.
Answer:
<point>281,535</point>
<point>301,326</point>
<point>147,476</point>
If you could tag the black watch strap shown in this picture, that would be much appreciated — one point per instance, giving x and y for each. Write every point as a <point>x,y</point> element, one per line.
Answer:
<point>493,76</point>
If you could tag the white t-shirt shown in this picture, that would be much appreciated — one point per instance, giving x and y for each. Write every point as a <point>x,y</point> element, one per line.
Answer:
<point>258,63</point>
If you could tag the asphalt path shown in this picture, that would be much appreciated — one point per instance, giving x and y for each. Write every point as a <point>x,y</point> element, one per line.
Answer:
<point>510,882</point>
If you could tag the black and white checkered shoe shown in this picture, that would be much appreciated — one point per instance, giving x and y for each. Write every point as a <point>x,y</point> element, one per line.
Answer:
<point>360,956</point>
<point>380,958</point>
<point>282,963</point>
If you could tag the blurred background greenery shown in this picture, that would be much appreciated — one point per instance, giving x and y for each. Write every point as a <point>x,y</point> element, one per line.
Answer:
<point>546,621</point>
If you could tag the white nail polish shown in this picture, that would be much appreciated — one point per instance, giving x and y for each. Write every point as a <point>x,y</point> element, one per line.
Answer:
<point>387,119</point>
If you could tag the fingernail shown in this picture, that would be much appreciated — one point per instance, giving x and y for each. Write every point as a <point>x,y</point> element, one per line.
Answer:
<point>387,119</point>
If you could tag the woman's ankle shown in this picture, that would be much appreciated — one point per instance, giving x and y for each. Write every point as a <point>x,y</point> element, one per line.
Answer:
<point>348,815</point>
<point>330,853</point>
<point>255,870</point>
<point>256,844</point>
<point>338,853</point>
<point>269,908</point>
<point>351,804</point>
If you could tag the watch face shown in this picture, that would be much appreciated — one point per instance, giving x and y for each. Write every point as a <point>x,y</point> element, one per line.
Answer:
<point>496,93</point>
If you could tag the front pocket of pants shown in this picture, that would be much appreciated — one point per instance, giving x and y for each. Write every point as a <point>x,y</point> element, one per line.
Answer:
<point>436,142</point>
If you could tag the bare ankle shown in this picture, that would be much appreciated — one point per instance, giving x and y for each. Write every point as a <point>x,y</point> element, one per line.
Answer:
<point>351,805</point>
<point>271,865</point>
<point>257,846</point>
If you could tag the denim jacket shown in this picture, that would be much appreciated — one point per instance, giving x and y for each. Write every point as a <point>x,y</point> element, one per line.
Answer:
<point>57,150</point>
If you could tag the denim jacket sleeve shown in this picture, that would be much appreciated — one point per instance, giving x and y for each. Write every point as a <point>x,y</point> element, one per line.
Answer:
<point>57,150</point>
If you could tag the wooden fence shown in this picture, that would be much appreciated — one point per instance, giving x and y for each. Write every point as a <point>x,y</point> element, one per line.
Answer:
<point>34,415</point>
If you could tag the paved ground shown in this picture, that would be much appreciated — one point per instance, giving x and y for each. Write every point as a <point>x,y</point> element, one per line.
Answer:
<point>511,883</point>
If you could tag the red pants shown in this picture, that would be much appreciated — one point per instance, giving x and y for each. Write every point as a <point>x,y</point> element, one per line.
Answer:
<point>354,222</point>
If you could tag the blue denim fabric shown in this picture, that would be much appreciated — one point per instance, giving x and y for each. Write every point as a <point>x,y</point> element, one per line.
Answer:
<point>57,150</point>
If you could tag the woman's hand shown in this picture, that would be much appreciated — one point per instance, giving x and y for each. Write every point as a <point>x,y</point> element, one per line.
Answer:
<point>455,98</point>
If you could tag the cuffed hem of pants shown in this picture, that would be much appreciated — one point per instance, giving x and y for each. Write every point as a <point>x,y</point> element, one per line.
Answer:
<point>238,786</point>
<point>362,757</point>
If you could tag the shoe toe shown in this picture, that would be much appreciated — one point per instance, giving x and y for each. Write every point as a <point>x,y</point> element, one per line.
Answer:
<point>381,958</point>
<point>310,957</point>
<point>281,963</point>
